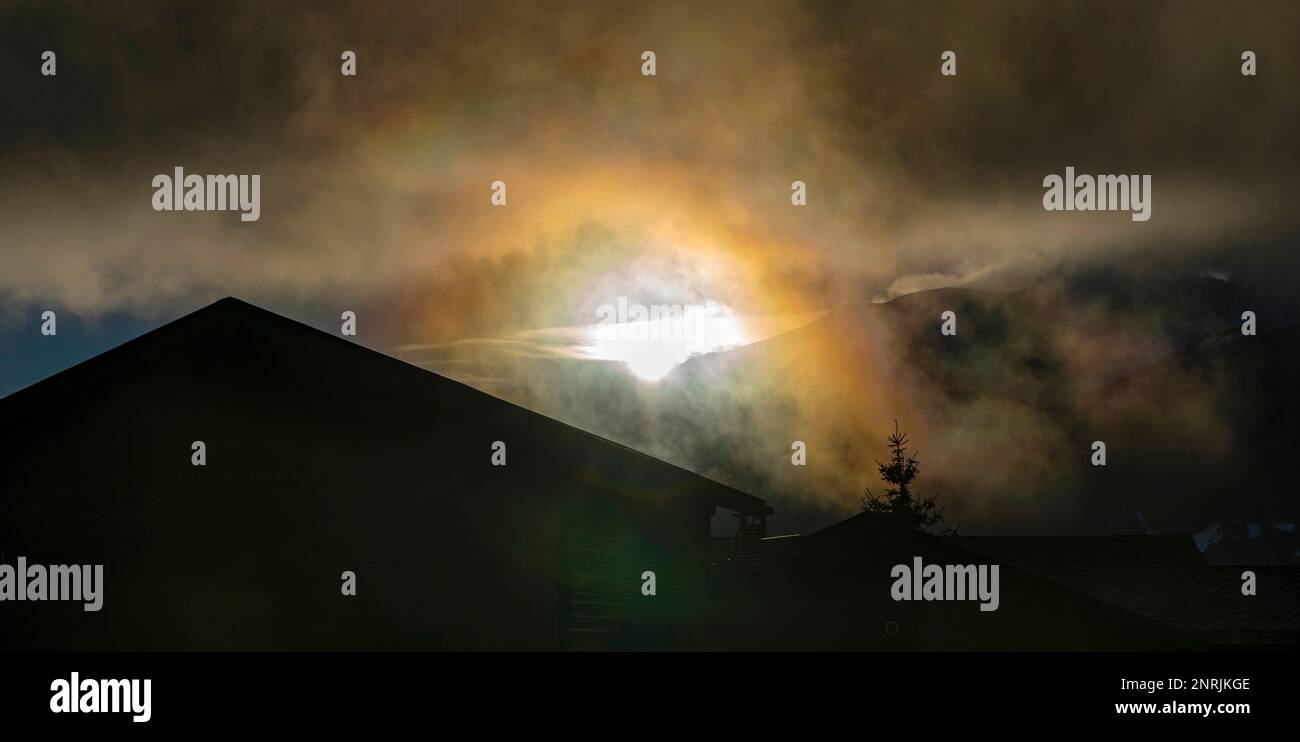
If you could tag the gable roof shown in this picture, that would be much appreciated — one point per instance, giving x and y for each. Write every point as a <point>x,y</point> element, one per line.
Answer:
<point>229,321</point>
<point>1162,577</point>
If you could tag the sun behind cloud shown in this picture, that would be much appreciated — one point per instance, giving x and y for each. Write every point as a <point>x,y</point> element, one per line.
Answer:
<point>651,348</point>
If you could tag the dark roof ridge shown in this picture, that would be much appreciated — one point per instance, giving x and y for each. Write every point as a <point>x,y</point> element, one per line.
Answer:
<point>216,311</point>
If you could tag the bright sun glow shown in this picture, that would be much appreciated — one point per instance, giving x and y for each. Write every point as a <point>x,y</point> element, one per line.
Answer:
<point>668,336</point>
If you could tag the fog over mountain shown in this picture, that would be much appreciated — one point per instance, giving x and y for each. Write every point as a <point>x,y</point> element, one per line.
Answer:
<point>1198,420</point>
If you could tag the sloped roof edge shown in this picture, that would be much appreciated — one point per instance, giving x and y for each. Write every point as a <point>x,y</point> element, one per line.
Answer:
<point>219,311</point>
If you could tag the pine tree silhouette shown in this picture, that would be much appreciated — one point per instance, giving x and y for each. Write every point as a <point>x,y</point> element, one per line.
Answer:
<point>898,502</point>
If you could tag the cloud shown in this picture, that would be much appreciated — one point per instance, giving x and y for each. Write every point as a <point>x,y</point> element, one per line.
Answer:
<point>672,189</point>
<point>380,181</point>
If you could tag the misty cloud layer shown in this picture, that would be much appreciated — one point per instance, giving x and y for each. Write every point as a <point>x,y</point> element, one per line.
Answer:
<point>672,189</point>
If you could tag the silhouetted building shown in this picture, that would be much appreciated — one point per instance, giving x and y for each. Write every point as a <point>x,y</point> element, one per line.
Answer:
<point>1164,578</point>
<point>324,457</point>
<point>1054,593</point>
